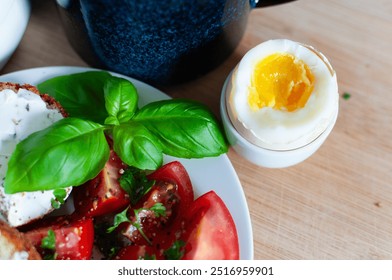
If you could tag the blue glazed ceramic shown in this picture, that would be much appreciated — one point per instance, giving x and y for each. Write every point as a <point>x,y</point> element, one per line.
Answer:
<point>156,41</point>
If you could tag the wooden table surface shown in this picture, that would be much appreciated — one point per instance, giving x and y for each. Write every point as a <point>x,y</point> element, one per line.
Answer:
<point>338,203</point>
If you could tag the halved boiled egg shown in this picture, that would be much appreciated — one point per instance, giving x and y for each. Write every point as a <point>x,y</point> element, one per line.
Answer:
<point>282,95</point>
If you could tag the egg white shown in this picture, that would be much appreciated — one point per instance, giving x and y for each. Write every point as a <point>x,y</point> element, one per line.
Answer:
<point>278,129</point>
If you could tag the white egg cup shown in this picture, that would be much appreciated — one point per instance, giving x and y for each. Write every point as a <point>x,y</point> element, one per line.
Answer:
<point>14,17</point>
<point>267,157</point>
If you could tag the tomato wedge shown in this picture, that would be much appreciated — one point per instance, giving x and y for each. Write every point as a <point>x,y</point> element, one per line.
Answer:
<point>173,189</point>
<point>103,194</point>
<point>151,223</point>
<point>174,172</point>
<point>210,232</point>
<point>73,238</point>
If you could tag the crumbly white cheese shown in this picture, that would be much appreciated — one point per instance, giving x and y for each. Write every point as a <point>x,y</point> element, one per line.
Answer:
<point>21,114</point>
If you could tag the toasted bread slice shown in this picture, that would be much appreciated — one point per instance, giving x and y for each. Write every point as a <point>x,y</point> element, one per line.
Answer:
<point>24,110</point>
<point>50,101</point>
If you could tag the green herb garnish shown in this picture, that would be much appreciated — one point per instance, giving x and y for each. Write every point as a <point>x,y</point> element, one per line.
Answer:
<point>148,257</point>
<point>74,150</point>
<point>113,252</point>
<point>49,243</point>
<point>118,219</point>
<point>176,251</point>
<point>158,209</point>
<point>346,96</point>
<point>59,198</point>
<point>135,183</point>
<point>138,226</point>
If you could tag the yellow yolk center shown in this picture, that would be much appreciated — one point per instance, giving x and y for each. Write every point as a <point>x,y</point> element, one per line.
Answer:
<point>282,82</point>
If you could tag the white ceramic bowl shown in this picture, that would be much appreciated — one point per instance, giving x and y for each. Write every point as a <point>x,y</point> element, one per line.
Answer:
<point>14,16</point>
<point>266,157</point>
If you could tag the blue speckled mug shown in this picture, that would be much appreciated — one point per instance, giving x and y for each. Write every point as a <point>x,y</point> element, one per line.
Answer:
<point>160,42</point>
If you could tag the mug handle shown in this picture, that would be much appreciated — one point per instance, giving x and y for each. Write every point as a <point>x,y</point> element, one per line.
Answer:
<point>266,3</point>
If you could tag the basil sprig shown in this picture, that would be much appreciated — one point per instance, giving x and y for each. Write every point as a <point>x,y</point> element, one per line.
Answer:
<point>74,150</point>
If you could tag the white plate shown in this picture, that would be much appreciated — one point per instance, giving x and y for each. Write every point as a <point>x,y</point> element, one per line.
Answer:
<point>206,174</point>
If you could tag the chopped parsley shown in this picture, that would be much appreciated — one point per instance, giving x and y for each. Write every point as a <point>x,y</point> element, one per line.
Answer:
<point>59,198</point>
<point>346,95</point>
<point>148,257</point>
<point>49,243</point>
<point>176,251</point>
<point>135,183</point>
<point>158,209</point>
<point>118,219</point>
<point>113,252</point>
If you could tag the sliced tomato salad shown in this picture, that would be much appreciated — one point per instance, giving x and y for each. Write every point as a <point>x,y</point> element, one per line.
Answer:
<point>127,214</point>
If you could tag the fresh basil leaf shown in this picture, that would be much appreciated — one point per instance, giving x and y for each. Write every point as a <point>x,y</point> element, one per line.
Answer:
<point>121,100</point>
<point>136,146</point>
<point>68,153</point>
<point>185,128</point>
<point>80,94</point>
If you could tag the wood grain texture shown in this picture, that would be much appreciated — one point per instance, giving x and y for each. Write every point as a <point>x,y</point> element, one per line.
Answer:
<point>338,203</point>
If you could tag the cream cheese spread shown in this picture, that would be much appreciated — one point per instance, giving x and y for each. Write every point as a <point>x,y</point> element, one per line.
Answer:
<point>21,114</point>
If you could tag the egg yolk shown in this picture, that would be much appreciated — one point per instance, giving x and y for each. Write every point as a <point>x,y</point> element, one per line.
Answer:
<point>282,82</point>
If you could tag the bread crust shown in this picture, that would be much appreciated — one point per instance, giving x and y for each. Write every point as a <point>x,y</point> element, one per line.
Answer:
<point>51,103</point>
<point>12,241</point>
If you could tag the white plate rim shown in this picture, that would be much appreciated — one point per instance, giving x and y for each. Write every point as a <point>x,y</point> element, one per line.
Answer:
<point>206,174</point>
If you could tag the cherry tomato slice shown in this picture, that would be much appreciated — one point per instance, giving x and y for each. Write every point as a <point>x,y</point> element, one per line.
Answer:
<point>151,223</point>
<point>174,172</point>
<point>103,194</point>
<point>173,188</point>
<point>73,237</point>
